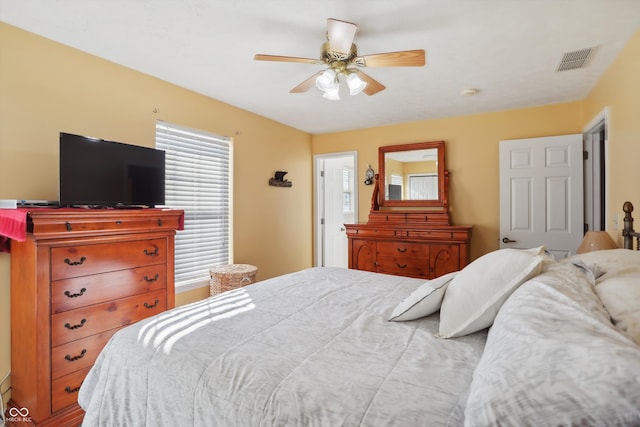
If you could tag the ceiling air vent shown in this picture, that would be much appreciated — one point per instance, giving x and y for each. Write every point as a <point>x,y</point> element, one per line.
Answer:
<point>575,59</point>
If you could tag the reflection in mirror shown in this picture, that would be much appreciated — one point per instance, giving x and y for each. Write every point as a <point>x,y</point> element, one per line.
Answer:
<point>411,175</point>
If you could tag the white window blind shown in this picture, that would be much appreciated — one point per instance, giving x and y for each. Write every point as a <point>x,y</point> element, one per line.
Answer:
<point>423,187</point>
<point>198,181</point>
<point>347,190</point>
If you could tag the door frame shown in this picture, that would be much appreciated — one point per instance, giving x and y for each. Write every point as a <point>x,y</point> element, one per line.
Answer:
<point>318,195</point>
<point>596,125</point>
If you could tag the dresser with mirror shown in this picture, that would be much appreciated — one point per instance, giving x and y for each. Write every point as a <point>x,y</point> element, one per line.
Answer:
<point>409,231</point>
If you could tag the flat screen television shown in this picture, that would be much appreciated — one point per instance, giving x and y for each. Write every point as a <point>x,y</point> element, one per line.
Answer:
<point>99,173</point>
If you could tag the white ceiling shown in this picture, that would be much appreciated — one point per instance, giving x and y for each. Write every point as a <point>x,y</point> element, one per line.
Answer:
<point>507,49</point>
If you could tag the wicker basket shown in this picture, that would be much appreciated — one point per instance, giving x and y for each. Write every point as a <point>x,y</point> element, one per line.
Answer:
<point>231,276</point>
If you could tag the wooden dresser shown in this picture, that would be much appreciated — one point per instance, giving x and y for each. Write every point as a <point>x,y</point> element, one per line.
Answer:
<point>407,244</point>
<point>409,231</point>
<point>79,277</point>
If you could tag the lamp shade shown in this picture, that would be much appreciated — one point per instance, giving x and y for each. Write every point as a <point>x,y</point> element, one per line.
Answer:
<point>332,93</point>
<point>596,241</point>
<point>326,80</point>
<point>356,85</point>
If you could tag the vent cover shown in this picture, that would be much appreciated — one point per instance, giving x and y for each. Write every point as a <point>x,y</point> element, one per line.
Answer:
<point>575,59</point>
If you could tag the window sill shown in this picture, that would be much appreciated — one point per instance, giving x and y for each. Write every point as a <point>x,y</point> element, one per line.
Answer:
<point>189,286</point>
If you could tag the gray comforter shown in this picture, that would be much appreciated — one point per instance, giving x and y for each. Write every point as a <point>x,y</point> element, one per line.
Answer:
<point>312,348</point>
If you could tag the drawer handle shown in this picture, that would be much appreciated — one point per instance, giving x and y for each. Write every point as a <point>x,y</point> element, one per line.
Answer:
<point>72,263</point>
<point>79,294</point>
<point>159,223</point>
<point>153,279</point>
<point>401,265</point>
<point>68,226</point>
<point>74,358</point>
<point>79,325</point>
<point>71,390</point>
<point>402,250</point>
<point>154,305</point>
<point>154,253</point>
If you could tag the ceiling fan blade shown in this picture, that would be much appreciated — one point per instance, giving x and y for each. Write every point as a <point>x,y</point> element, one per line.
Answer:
<point>373,86</point>
<point>405,58</point>
<point>340,35</point>
<point>307,84</point>
<point>261,57</point>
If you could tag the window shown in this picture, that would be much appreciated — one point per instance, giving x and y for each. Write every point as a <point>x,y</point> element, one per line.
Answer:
<point>198,181</point>
<point>347,190</point>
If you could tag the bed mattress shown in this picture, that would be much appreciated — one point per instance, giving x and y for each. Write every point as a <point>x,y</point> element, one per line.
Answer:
<point>310,348</point>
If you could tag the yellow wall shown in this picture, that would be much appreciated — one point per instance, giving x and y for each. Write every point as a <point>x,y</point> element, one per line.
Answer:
<point>46,88</point>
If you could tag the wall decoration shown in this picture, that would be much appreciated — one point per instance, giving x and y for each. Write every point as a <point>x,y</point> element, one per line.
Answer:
<point>369,176</point>
<point>279,181</point>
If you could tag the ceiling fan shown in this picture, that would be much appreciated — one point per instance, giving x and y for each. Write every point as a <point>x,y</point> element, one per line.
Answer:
<point>341,55</point>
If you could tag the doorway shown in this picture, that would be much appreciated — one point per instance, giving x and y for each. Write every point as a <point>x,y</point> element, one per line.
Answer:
<point>595,172</point>
<point>336,204</point>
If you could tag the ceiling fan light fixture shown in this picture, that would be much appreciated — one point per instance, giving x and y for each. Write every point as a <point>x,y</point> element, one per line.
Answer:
<point>355,83</point>
<point>326,80</point>
<point>339,53</point>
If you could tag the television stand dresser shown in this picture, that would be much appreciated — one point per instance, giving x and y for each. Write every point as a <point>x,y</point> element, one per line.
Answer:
<point>81,275</point>
<point>410,235</point>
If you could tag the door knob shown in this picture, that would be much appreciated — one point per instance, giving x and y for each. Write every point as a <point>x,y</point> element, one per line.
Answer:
<point>507,240</point>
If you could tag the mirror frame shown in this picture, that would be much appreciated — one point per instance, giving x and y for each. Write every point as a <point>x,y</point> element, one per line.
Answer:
<point>442,197</point>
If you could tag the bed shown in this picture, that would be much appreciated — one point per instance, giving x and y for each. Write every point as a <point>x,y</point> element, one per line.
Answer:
<point>514,339</point>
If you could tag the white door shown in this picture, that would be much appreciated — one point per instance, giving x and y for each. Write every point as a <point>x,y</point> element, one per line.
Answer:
<point>541,194</point>
<point>336,205</point>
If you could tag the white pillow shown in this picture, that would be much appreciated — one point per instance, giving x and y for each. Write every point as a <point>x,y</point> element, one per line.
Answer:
<point>423,301</point>
<point>610,260</point>
<point>475,295</point>
<point>621,297</point>
<point>619,286</point>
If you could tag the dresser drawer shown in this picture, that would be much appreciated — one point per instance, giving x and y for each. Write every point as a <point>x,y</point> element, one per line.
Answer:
<point>79,354</point>
<point>64,390</point>
<point>405,249</point>
<point>83,260</point>
<point>82,322</point>
<point>403,266</point>
<point>72,223</point>
<point>438,235</point>
<point>69,294</point>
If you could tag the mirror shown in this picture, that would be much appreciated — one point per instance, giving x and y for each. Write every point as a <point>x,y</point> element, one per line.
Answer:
<point>412,174</point>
